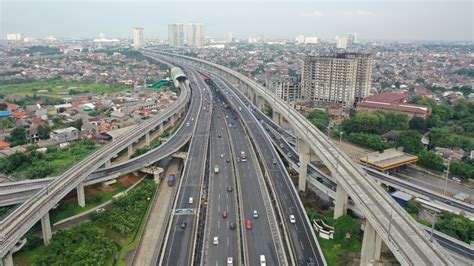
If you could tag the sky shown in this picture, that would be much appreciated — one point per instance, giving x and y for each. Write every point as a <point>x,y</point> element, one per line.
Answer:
<point>445,20</point>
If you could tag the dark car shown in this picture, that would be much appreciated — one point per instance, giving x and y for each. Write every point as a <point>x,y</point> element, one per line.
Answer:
<point>229,188</point>
<point>227,160</point>
<point>232,226</point>
<point>183,225</point>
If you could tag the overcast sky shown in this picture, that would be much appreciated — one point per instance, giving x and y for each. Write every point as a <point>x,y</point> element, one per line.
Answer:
<point>371,19</point>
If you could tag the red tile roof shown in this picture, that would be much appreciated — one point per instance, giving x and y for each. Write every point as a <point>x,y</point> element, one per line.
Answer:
<point>392,96</point>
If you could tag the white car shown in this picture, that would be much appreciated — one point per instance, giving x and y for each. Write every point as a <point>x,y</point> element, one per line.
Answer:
<point>230,261</point>
<point>292,219</point>
<point>216,240</point>
<point>222,155</point>
<point>255,214</point>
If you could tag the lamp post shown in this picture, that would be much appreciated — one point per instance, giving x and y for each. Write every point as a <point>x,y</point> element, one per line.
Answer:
<point>340,137</point>
<point>446,180</point>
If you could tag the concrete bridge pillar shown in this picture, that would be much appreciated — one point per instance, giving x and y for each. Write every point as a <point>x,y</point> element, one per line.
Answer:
<point>130,151</point>
<point>108,163</point>
<point>341,201</point>
<point>81,197</point>
<point>260,103</point>
<point>371,246</point>
<point>7,260</point>
<point>160,129</point>
<point>46,229</point>
<point>304,156</point>
<point>276,117</point>
<point>147,138</point>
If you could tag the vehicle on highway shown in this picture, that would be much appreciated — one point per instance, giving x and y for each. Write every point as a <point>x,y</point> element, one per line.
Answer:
<point>229,188</point>
<point>292,219</point>
<point>243,156</point>
<point>219,136</point>
<point>274,161</point>
<point>170,180</point>
<point>183,225</point>
<point>281,145</point>
<point>227,160</point>
<point>289,154</point>
<point>255,214</point>
<point>230,261</point>
<point>238,160</point>
<point>248,224</point>
<point>232,226</point>
<point>216,240</point>
<point>192,118</point>
<point>216,169</point>
<point>191,200</point>
<point>187,124</point>
<point>263,262</point>
<point>222,155</point>
<point>224,214</point>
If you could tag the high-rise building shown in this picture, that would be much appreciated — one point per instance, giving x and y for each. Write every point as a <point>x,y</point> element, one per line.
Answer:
<point>231,37</point>
<point>311,40</point>
<point>300,39</point>
<point>138,39</point>
<point>341,78</point>
<point>286,89</point>
<point>13,37</point>
<point>195,35</point>
<point>176,35</point>
<point>341,42</point>
<point>352,38</point>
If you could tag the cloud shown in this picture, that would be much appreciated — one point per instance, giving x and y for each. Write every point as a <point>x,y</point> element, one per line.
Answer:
<point>313,14</point>
<point>358,12</point>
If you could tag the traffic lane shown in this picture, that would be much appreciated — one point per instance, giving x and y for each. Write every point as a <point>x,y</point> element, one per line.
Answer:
<point>227,246</point>
<point>300,232</point>
<point>259,238</point>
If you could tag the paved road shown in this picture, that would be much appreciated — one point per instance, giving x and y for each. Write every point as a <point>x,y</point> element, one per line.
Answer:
<point>220,199</point>
<point>301,234</point>
<point>179,246</point>
<point>153,235</point>
<point>259,240</point>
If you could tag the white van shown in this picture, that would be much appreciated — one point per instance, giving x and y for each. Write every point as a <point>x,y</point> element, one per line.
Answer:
<point>191,200</point>
<point>216,240</point>
<point>262,260</point>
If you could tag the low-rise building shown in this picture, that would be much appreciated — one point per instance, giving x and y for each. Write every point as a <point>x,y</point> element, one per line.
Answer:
<point>65,134</point>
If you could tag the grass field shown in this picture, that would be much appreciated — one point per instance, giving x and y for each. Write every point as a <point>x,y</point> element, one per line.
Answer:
<point>60,88</point>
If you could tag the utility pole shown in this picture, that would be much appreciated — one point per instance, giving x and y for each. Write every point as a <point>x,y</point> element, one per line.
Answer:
<point>446,181</point>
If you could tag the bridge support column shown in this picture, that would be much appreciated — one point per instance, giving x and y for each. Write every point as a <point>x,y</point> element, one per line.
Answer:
<point>252,97</point>
<point>160,129</point>
<point>108,163</point>
<point>304,156</point>
<point>340,205</point>
<point>260,103</point>
<point>46,229</point>
<point>147,138</point>
<point>276,117</point>
<point>130,151</point>
<point>371,246</point>
<point>81,197</point>
<point>7,260</point>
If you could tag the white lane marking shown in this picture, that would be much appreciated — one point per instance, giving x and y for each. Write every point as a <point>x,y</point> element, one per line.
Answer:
<point>228,241</point>
<point>301,244</point>
<point>218,224</point>
<point>219,208</point>
<point>219,195</point>
<point>227,195</point>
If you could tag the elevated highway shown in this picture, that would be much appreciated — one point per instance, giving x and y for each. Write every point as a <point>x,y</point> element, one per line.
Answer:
<point>386,220</point>
<point>36,208</point>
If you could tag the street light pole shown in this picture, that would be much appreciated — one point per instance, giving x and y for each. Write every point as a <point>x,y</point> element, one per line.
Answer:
<point>446,181</point>
<point>340,137</point>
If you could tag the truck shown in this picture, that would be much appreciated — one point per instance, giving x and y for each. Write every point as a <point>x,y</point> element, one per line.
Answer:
<point>216,169</point>
<point>171,179</point>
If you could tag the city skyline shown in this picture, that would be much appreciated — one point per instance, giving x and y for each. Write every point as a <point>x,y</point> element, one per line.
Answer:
<point>386,20</point>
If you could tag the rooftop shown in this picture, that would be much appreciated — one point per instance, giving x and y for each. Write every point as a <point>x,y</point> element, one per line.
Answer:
<point>388,159</point>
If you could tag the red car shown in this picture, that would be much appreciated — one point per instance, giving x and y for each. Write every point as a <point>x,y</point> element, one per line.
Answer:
<point>224,214</point>
<point>248,224</point>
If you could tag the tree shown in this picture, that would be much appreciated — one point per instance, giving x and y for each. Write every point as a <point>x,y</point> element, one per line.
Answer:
<point>418,123</point>
<point>18,136</point>
<point>435,121</point>
<point>6,123</point>
<point>431,160</point>
<point>410,140</point>
<point>77,124</point>
<point>461,169</point>
<point>346,226</point>
<point>43,131</point>
<point>413,207</point>
<point>456,225</point>
<point>3,106</point>
<point>319,118</point>
<point>444,112</point>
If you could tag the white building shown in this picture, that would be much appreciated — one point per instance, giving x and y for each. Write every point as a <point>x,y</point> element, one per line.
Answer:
<point>300,39</point>
<point>138,39</point>
<point>64,134</point>
<point>311,40</point>
<point>287,89</point>
<point>176,35</point>
<point>231,37</point>
<point>352,38</point>
<point>13,37</point>
<point>341,42</point>
<point>195,35</point>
